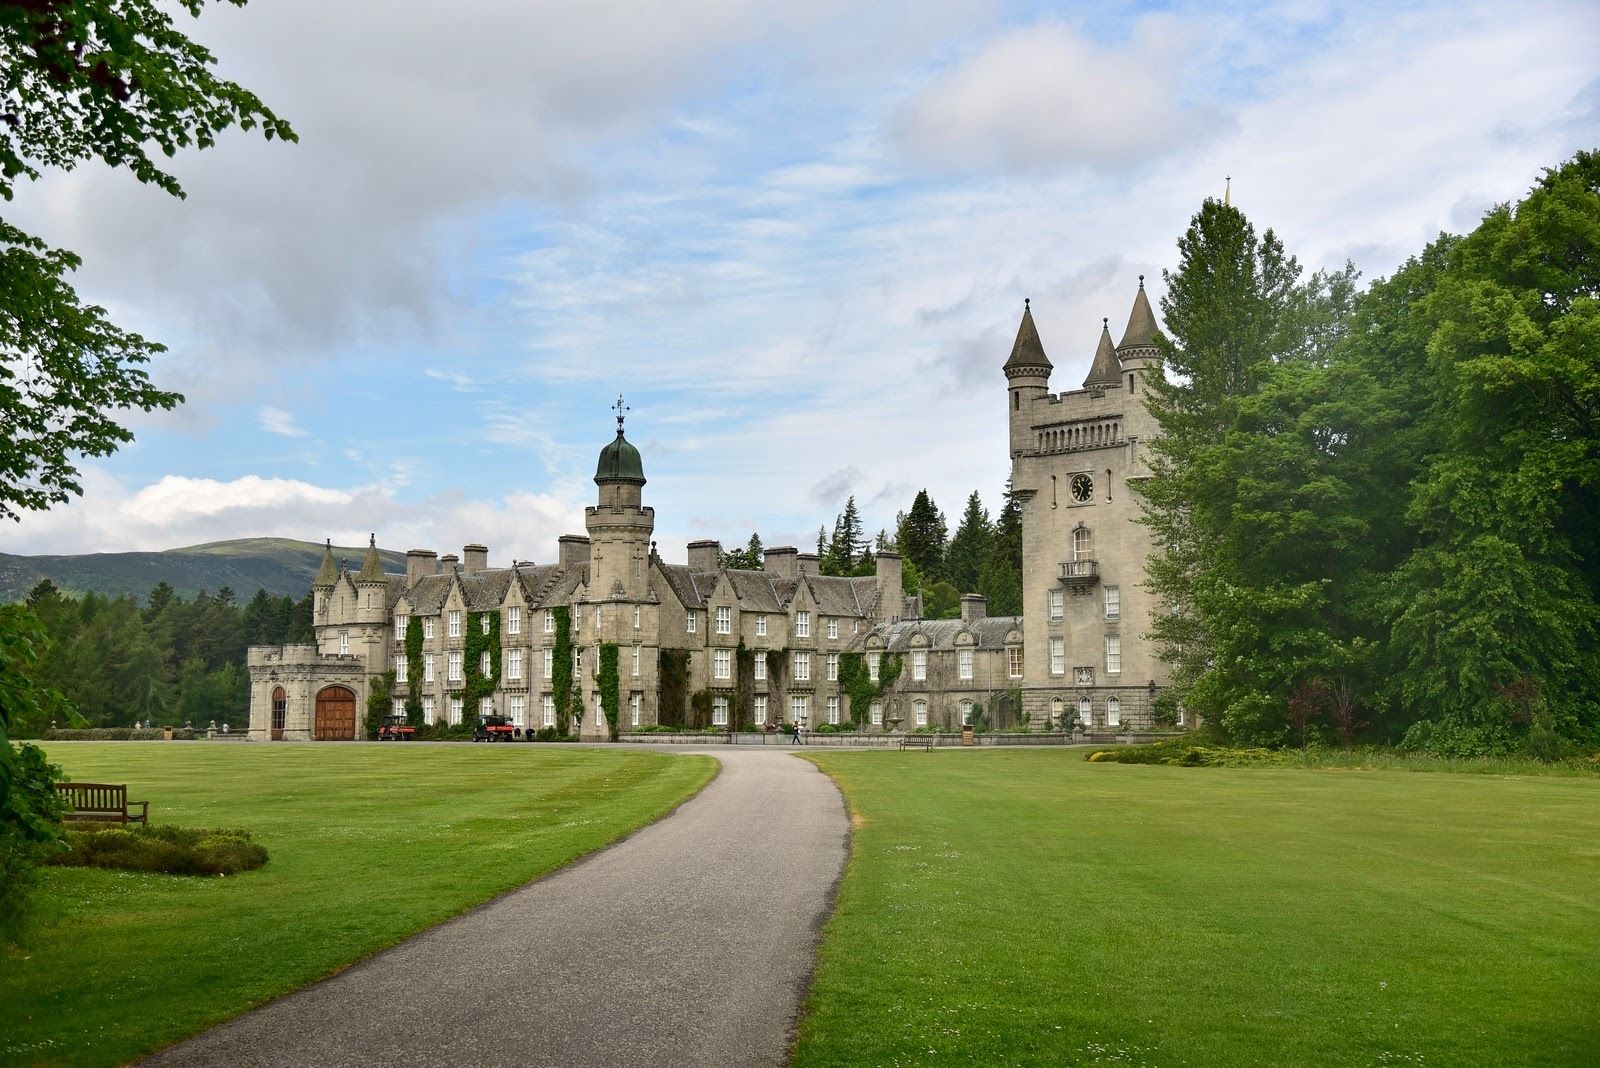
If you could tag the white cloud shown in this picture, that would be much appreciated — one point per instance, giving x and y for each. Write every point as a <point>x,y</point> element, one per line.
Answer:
<point>280,421</point>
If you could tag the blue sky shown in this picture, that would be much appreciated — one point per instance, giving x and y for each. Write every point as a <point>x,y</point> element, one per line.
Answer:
<point>795,237</point>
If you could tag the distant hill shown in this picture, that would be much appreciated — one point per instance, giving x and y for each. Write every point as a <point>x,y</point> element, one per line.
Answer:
<point>278,565</point>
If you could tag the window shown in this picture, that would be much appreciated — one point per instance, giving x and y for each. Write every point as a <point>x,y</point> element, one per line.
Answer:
<point>1058,709</point>
<point>1057,612</point>
<point>455,665</point>
<point>454,715</point>
<point>518,711</point>
<point>760,708</point>
<point>633,658</point>
<point>485,661</point>
<point>1014,661</point>
<point>549,709</point>
<point>761,666</point>
<point>1082,544</point>
<point>427,628</point>
<point>1083,676</point>
<point>427,709</point>
<point>427,667</point>
<point>720,660</point>
<point>1113,654</point>
<point>596,617</point>
<point>485,707</point>
<point>599,710</point>
<point>1085,711</point>
<point>964,665</point>
<point>833,710</point>
<point>724,620</point>
<point>397,708</point>
<point>549,663</point>
<point>799,708</point>
<point>873,660</point>
<point>833,628</point>
<point>344,644</point>
<point>802,624</point>
<point>876,714</point>
<point>919,665</point>
<point>966,713</point>
<point>1181,716</point>
<point>920,711</point>
<point>833,667</point>
<point>638,617</point>
<point>483,623</point>
<point>688,621</point>
<point>400,628</point>
<point>577,663</point>
<point>1113,602</point>
<point>549,620</point>
<point>1058,656</point>
<point>635,703</point>
<point>399,669</point>
<point>514,619</point>
<point>1113,712</point>
<point>719,712</point>
<point>514,665</point>
<point>802,667</point>
<point>455,623</point>
<point>761,626</point>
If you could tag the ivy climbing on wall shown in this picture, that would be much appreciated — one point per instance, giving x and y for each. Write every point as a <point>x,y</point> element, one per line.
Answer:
<point>610,684</point>
<point>561,670</point>
<point>672,687</point>
<point>414,671</point>
<point>478,685</point>
<point>855,679</point>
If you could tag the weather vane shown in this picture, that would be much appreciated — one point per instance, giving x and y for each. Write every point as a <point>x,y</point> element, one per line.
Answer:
<point>619,408</point>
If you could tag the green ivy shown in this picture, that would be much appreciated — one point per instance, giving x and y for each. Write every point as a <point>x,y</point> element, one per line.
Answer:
<point>855,679</point>
<point>379,701</point>
<point>744,694</point>
<point>610,684</point>
<point>478,685</point>
<point>672,687</point>
<point>561,670</point>
<point>700,705</point>
<point>414,671</point>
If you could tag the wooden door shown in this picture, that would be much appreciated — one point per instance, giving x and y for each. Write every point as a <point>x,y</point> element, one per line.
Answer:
<point>336,715</point>
<point>280,712</point>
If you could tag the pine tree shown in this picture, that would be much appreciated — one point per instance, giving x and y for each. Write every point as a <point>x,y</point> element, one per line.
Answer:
<point>1001,578</point>
<point>921,538</point>
<point>970,547</point>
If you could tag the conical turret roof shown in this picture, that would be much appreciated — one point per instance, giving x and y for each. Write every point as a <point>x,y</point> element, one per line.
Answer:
<point>372,566</point>
<point>1107,369</point>
<point>1027,354</point>
<point>1142,330</point>
<point>328,573</point>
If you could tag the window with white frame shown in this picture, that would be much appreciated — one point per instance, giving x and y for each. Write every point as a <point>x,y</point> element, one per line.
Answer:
<point>1181,716</point>
<point>638,617</point>
<point>455,665</point>
<point>397,708</point>
<point>483,623</point>
<point>724,619</point>
<point>1113,712</point>
<point>966,713</point>
<point>1014,661</point>
<point>919,665</point>
<point>876,713</point>
<point>548,704</point>
<point>721,664</point>
<point>802,667</point>
<point>453,713</point>
<point>1113,602</point>
<point>964,665</point>
<point>485,661</point>
<point>427,708</point>
<point>799,708</point>
<point>873,660</point>
<point>802,624</point>
<point>596,617</point>
<point>833,628</point>
<point>514,619</point>
<point>1058,656</point>
<point>400,669</point>
<point>485,707</point>
<point>719,711</point>
<point>455,623</point>
<point>635,704</point>
<point>833,710</point>
<point>577,663</point>
<point>1085,710</point>
<point>519,716</point>
<point>514,665</point>
<point>427,628</point>
<point>760,666</point>
<point>761,626</point>
<point>1057,609</point>
<point>919,710</point>
<point>833,667</point>
<point>599,710</point>
<point>760,711</point>
<point>549,663</point>
<point>1058,708</point>
<point>400,628</point>
<point>1113,654</point>
<point>344,644</point>
<point>427,667</point>
<point>633,661</point>
<point>688,621</point>
<point>549,620</point>
<point>1082,544</point>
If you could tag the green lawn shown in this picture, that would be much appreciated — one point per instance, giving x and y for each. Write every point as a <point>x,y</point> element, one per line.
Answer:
<point>1006,907</point>
<point>368,844</point>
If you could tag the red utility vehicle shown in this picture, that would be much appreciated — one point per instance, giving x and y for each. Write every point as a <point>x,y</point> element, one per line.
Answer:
<point>493,729</point>
<point>396,729</point>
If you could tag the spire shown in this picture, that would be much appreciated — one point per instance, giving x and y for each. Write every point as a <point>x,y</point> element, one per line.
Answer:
<point>328,573</point>
<point>1027,354</point>
<point>372,566</point>
<point>1141,332</point>
<point>1107,369</point>
<point>1227,190</point>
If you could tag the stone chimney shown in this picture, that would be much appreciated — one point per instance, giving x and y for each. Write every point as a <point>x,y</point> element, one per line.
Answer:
<point>476,558</point>
<point>447,563</point>
<point>781,561</point>
<point>891,592</point>
<point>574,550</point>
<point>705,555</point>
<point>974,606</point>
<point>809,563</point>
<point>420,563</point>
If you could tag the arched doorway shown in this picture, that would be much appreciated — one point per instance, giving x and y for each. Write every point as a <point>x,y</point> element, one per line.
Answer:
<point>336,715</point>
<point>280,712</point>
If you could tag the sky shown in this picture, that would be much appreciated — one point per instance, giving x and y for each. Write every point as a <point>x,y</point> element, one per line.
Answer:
<point>796,238</point>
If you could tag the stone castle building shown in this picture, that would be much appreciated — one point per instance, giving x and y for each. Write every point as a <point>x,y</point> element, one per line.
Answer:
<point>697,643</point>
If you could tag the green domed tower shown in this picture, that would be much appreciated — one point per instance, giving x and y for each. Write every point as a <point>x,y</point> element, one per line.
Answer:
<point>619,525</point>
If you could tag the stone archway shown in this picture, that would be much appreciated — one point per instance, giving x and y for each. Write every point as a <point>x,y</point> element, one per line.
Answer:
<point>336,715</point>
<point>280,712</point>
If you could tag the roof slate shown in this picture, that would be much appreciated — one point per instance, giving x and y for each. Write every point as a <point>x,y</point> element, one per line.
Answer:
<point>989,632</point>
<point>1142,330</point>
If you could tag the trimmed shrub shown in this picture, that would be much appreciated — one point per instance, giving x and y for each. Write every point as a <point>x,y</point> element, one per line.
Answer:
<point>162,849</point>
<point>118,734</point>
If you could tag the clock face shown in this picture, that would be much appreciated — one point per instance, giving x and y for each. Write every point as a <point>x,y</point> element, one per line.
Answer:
<point>1082,488</point>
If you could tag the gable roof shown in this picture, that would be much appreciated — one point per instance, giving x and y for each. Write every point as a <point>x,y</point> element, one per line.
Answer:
<point>988,633</point>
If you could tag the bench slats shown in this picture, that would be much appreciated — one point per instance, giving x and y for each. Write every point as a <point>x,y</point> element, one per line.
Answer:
<point>107,802</point>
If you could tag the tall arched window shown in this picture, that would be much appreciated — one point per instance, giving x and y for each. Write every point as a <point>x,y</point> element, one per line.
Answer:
<point>1113,712</point>
<point>1082,544</point>
<point>1057,708</point>
<point>920,709</point>
<point>1085,711</point>
<point>280,712</point>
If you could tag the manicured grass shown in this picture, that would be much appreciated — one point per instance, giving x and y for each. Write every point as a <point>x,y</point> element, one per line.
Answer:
<point>368,844</point>
<point>1028,907</point>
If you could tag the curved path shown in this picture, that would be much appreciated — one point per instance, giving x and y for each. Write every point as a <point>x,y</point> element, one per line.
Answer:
<point>689,943</point>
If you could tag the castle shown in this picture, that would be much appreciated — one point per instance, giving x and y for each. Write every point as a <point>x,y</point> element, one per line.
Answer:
<point>701,644</point>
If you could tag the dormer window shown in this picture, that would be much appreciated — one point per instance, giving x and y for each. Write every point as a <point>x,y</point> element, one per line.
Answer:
<point>455,623</point>
<point>761,626</point>
<point>833,628</point>
<point>483,622</point>
<point>724,620</point>
<point>802,624</point>
<point>688,621</point>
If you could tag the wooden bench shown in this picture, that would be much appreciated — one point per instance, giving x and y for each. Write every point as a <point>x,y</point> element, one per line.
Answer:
<point>925,741</point>
<point>102,801</point>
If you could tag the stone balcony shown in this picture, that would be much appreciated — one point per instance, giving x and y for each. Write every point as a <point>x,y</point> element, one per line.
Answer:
<point>1079,573</point>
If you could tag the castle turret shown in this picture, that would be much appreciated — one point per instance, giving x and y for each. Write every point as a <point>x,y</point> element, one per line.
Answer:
<point>1137,351</point>
<point>620,525</point>
<point>1107,369</point>
<point>1027,378</point>
<point>327,575</point>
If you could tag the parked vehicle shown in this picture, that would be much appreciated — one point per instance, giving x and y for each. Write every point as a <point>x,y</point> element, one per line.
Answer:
<point>493,729</point>
<point>396,729</point>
